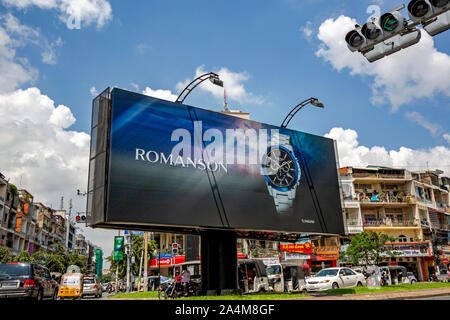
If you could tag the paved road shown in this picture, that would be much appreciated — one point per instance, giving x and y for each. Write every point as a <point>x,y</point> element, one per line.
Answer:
<point>434,298</point>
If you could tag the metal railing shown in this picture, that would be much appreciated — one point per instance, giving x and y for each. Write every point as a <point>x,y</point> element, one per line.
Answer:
<point>378,175</point>
<point>390,223</point>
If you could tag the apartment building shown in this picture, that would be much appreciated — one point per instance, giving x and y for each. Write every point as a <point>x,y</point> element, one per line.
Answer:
<point>68,229</point>
<point>408,206</point>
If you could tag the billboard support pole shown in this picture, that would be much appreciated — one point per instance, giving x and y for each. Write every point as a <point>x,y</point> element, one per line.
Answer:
<point>219,262</point>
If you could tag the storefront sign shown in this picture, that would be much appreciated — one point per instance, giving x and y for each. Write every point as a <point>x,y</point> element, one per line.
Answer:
<point>326,256</point>
<point>409,249</point>
<point>167,262</point>
<point>268,261</point>
<point>296,256</point>
<point>296,247</point>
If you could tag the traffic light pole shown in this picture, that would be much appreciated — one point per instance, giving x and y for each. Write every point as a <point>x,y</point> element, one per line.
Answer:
<point>117,272</point>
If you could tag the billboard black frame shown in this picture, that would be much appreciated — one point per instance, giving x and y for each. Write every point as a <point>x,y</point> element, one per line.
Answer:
<point>99,219</point>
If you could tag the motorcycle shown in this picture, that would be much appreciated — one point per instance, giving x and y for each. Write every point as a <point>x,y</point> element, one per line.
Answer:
<point>171,289</point>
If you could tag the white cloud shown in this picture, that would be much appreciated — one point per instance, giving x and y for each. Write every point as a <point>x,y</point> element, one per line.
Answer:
<point>40,154</point>
<point>307,31</point>
<point>93,91</point>
<point>416,117</point>
<point>353,154</point>
<point>89,12</point>
<point>446,137</point>
<point>417,72</point>
<point>37,151</point>
<point>135,86</point>
<point>233,83</point>
<point>13,71</point>
<point>49,55</point>
<point>160,93</point>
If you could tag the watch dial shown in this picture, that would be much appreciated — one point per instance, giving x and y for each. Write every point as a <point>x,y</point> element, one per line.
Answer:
<point>280,168</point>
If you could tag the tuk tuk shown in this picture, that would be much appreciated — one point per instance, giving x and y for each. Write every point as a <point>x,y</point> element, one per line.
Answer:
<point>275,277</point>
<point>252,276</point>
<point>294,277</point>
<point>71,286</point>
<point>395,275</point>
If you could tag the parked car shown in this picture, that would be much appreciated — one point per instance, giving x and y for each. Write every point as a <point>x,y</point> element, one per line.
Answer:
<point>26,280</point>
<point>412,278</point>
<point>334,278</point>
<point>92,287</point>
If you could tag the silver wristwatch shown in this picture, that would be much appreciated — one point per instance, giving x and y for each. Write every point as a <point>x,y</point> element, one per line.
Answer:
<point>283,183</point>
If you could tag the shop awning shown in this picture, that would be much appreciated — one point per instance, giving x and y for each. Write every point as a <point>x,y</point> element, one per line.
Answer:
<point>432,210</point>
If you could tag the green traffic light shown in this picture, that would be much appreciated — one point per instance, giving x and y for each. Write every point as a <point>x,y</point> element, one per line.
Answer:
<point>390,25</point>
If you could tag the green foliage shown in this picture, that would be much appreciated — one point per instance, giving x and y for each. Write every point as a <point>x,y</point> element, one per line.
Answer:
<point>56,263</point>
<point>106,278</point>
<point>23,256</point>
<point>38,257</point>
<point>77,260</point>
<point>367,248</point>
<point>13,189</point>
<point>5,255</point>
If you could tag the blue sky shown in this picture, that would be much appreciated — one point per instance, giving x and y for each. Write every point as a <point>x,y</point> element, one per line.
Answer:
<point>269,49</point>
<point>159,43</point>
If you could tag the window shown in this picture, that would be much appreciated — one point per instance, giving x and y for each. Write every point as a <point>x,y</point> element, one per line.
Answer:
<point>349,272</point>
<point>37,271</point>
<point>402,238</point>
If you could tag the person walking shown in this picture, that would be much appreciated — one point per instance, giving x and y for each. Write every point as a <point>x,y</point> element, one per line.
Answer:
<point>185,280</point>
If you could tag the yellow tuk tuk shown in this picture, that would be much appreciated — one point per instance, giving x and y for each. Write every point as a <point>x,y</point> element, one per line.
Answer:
<point>71,286</point>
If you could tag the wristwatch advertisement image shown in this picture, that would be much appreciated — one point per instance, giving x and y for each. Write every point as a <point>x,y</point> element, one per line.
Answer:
<point>282,172</point>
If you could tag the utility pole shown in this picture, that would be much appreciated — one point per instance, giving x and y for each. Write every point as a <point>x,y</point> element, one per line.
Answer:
<point>117,271</point>
<point>145,261</point>
<point>140,271</point>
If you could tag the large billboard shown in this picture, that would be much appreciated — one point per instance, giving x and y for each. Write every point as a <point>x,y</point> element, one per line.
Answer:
<point>159,164</point>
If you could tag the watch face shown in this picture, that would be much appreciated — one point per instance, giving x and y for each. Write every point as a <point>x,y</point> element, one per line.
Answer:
<point>280,168</point>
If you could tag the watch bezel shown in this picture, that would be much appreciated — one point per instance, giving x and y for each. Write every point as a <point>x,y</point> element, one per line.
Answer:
<point>297,169</point>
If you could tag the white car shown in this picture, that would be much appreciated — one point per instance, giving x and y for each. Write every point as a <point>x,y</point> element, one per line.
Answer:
<point>335,278</point>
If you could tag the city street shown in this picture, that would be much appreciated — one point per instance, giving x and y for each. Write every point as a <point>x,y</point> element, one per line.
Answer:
<point>254,151</point>
<point>435,298</point>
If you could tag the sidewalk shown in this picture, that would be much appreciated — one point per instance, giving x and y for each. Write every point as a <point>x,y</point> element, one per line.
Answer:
<point>396,295</point>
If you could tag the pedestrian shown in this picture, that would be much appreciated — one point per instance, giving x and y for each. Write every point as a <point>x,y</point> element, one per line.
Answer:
<point>185,280</point>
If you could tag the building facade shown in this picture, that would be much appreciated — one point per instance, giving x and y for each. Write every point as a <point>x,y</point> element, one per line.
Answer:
<point>412,207</point>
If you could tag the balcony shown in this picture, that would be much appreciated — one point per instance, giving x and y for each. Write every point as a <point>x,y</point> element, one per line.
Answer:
<point>354,226</point>
<point>383,198</point>
<point>369,175</point>
<point>385,223</point>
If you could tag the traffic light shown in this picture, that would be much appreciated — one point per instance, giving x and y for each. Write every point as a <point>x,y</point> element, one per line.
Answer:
<point>355,40</point>
<point>174,248</point>
<point>434,15</point>
<point>389,33</point>
<point>80,218</point>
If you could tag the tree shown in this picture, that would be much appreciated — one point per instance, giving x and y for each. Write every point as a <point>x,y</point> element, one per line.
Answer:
<point>367,248</point>
<point>75,259</point>
<point>38,257</point>
<point>23,256</point>
<point>5,255</point>
<point>56,263</point>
